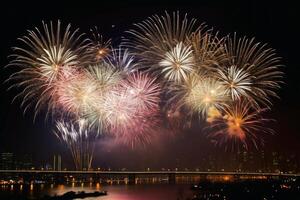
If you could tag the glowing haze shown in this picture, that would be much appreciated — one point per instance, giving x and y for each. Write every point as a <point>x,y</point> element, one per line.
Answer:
<point>165,66</point>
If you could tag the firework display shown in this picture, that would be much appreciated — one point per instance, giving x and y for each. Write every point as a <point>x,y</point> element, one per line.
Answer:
<point>79,139</point>
<point>252,70</point>
<point>48,54</point>
<point>162,45</point>
<point>240,123</point>
<point>165,66</point>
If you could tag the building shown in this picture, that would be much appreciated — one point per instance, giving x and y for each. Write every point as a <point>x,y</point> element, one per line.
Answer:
<point>57,163</point>
<point>275,162</point>
<point>7,161</point>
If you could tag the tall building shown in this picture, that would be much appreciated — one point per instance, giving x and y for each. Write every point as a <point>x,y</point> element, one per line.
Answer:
<point>57,163</point>
<point>262,161</point>
<point>7,161</point>
<point>275,161</point>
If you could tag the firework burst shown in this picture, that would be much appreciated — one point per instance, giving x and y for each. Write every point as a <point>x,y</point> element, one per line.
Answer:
<point>77,95</point>
<point>204,94</point>
<point>178,63</point>
<point>208,50</point>
<point>161,43</point>
<point>240,124</point>
<point>237,83</point>
<point>252,70</point>
<point>103,79</point>
<point>100,48</point>
<point>122,60</point>
<point>131,109</point>
<point>49,52</point>
<point>119,110</point>
<point>143,91</point>
<point>142,132</point>
<point>226,81</point>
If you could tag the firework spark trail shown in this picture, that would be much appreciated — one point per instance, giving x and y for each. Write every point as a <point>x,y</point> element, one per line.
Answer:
<point>47,53</point>
<point>253,70</point>
<point>144,92</point>
<point>237,82</point>
<point>161,43</point>
<point>80,139</point>
<point>133,107</point>
<point>77,95</point>
<point>112,100</point>
<point>171,66</point>
<point>200,94</point>
<point>100,48</point>
<point>84,92</point>
<point>240,124</point>
<point>178,63</point>
<point>208,51</point>
<point>122,60</point>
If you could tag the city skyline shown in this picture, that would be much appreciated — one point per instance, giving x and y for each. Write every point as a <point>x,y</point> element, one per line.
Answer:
<point>18,132</point>
<point>271,162</point>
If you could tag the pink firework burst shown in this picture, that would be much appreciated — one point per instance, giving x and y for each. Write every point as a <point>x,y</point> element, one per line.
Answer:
<point>240,124</point>
<point>143,91</point>
<point>132,108</point>
<point>77,94</point>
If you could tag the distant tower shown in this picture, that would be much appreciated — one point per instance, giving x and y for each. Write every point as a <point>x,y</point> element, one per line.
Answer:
<point>57,166</point>
<point>54,162</point>
<point>58,162</point>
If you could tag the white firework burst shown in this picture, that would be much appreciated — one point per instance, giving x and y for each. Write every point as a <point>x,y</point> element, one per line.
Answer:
<point>178,63</point>
<point>204,94</point>
<point>237,82</point>
<point>261,62</point>
<point>46,56</point>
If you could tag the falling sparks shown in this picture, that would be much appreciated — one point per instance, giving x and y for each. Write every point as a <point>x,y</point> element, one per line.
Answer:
<point>240,124</point>
<point>172,67</point>
<point>100,48</point>
<point>80,139</point>
<point>254,70</point>
<point>161,43</point>
<point>49,52</point>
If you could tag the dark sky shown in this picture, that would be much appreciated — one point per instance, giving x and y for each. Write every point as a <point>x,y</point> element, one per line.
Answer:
<point>275,23</point>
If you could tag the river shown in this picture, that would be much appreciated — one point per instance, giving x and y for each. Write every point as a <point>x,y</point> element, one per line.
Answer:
<point>115,192</point>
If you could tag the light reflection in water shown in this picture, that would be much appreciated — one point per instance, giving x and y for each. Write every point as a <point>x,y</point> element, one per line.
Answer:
<point>115,192</point>
<point>132,192</point>
<point>98,186</point>
<point>61,187</point>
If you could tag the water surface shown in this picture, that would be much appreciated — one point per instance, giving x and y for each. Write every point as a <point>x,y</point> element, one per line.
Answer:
<point>115,192</point>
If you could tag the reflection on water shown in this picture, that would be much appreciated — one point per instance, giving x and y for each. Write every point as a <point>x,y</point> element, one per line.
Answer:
<point>115,192</point>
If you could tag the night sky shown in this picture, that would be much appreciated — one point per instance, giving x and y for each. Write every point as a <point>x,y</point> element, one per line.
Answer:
<point>270,22</point>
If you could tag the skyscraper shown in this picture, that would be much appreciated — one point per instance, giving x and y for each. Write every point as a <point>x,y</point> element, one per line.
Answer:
<point>7,161</point>
<point>57,163</point>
